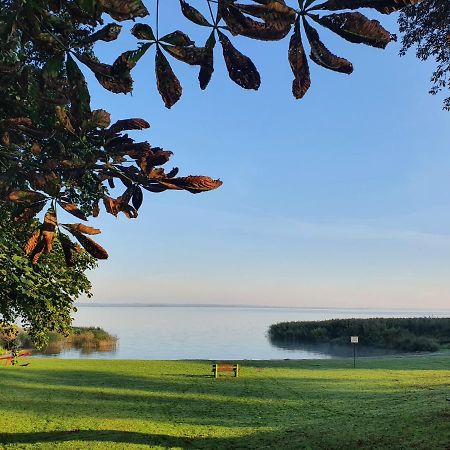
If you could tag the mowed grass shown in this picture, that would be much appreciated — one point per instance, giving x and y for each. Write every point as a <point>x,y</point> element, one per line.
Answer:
<point>397,403</point>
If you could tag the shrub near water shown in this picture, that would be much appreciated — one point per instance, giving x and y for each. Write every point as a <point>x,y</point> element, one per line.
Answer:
<point>406,334</point>
<point>91,338</point>
<point>86,339</point>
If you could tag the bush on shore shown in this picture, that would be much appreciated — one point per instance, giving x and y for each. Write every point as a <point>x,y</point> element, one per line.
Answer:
<point>406,334</point>
<point>86,339</point>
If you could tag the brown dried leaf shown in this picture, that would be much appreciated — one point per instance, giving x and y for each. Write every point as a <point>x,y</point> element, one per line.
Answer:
<point>108,33</point>
<point>193,14</point>
<point>116,79</point>
<point>100,118</point>
<point>238,23</point>
<point>299,64</point>
<point>49,182</point>
<point>94,249</point>
<point>157,157</point>
<point>143,31</point>
<point>27,212</point>
<point>193,184</point>
<point>112,205</point>
<point>129,211</point>
<point>124,9</point>
<point>128,124</point>
<point>156,172</point>
<point>48,230</point>
<point>177,38</point>
<point>116,141</point>
<point>68,249</point>
<point>81,228</point>
<point>116,84</point>
<point>126,61</point>
<point>207,65</point>
<point>383,6</point>
<point>322,56</point>
<point>356,28</point>
<point>168,84</point>
<point>96,210</point>
<point>240,67</point>
<point>37,252</point>
<point>32,241</point>
<point>126,196</point>
<point>26,196</point>
<point>136,150</point>
<point>270,11</point>
<point>190,55</point>
<point>72,209</point>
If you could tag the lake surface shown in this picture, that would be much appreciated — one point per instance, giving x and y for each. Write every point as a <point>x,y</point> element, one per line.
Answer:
<point>204,332</point>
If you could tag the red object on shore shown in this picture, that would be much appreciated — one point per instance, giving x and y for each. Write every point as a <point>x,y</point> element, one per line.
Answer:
<point>9,358</point>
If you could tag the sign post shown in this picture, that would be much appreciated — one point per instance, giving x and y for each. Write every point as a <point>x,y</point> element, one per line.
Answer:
<point>354,340</point>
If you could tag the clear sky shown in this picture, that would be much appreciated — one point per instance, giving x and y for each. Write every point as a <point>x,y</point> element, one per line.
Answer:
<point>341,199</point>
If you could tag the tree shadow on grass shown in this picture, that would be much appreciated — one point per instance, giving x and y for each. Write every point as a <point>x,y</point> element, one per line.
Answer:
<point>190,376</point>
<point>311,404</point>
<point>306,386</point>
<point>413,361</point>
<point>131,390</point>
<point>288,439</point>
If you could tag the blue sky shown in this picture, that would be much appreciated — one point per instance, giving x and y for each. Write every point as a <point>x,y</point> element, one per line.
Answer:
<point>341,199</point>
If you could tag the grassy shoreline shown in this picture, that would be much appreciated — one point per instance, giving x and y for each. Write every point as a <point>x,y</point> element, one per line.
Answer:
<point>385,403</point>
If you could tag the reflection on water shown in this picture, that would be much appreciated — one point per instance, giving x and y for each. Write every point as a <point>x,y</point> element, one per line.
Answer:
<point>333,350</point>
<point>84,340</point>
<point>198,332</point>
<point>88,348</point>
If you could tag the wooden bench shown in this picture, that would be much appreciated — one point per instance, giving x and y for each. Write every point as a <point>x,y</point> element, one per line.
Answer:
<point>225,367</point>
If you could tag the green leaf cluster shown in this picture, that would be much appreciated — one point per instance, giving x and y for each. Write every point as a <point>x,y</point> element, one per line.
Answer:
<point>39,297</point>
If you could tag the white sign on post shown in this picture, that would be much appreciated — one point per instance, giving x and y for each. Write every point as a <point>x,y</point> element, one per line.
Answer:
<point>354,339</point>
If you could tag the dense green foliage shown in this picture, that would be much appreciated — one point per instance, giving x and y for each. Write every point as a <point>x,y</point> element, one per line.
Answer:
<point>407,334</point>
<point>40,296</point>
<point>426,27</point>
<point>83,404</point>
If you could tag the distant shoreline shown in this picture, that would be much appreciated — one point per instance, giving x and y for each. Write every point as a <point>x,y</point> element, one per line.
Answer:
<point>237,306</point>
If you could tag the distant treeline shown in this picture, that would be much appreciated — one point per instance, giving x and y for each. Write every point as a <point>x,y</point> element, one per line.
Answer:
<point>411,334</point>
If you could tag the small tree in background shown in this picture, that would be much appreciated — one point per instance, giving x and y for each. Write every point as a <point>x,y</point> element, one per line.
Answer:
<point>41,295</point>
<point>426,26</point>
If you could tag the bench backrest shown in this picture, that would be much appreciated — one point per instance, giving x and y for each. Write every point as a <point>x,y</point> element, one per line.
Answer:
<point>226,367</point>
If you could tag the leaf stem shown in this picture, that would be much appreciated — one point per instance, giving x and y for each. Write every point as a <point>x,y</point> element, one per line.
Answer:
<point>157,20</point>
<point>211,12</point>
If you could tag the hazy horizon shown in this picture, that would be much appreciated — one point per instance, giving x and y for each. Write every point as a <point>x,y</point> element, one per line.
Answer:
<point>93,303</point>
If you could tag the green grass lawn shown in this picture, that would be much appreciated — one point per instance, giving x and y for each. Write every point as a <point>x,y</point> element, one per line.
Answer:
<point>84,404</point>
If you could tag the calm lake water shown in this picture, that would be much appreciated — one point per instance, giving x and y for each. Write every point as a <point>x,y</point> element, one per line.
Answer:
<point>199,332</point>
